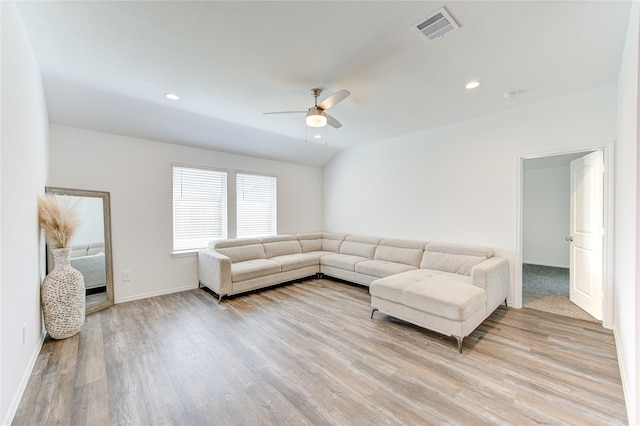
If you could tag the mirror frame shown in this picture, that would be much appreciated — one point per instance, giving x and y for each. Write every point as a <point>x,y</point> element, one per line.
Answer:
<point>106,215</point>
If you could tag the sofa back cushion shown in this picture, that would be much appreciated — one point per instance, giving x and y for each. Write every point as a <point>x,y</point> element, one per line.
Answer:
<point>95,248</point>
<point>332,241</point>
<point>310,241</point>
<point>408,252</point>
<point>239,249</point>
<point>358,245</point>
<point>280,245</point>
<point>455,258</point>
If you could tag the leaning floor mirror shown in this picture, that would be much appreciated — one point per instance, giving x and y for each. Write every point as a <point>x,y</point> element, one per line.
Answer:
<point>90,244</point>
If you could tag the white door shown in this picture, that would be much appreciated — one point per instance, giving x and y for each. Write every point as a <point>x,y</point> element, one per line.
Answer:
<point>587,232</point>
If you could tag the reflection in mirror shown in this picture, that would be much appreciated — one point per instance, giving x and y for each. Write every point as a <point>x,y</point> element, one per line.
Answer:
<point>90,245</point>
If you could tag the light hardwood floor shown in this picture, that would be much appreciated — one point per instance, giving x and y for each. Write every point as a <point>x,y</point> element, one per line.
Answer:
<point>308,353</point>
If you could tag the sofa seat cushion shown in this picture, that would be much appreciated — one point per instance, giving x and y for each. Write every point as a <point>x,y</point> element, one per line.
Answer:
<point>256,268</point>
<point>320,253</point>
<point>382,268</point>
<point>421,274</point>
<point>291,262</point>
<point>342,261</point>
<point>437,294</point>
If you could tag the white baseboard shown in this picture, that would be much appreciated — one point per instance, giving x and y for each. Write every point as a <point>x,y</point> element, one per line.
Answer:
<point>155,293</point>
<point>629,403</point>
<point>13,408</point>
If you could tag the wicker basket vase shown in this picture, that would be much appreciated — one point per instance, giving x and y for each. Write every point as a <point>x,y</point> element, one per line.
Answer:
<point>63,297</point>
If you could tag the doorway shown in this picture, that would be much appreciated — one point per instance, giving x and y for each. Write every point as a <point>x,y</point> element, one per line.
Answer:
<point>547,251</point>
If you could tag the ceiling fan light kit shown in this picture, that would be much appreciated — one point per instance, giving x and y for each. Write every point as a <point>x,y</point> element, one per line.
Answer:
<point>316,117</point>
<point>316,134</point>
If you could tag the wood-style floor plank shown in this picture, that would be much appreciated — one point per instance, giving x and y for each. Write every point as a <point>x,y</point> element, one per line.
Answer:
<point>308,354</point>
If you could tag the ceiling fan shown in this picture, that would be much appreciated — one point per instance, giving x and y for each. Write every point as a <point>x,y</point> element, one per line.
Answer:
<point>316,115</point>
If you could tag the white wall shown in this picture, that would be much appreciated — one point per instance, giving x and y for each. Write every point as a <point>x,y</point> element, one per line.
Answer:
<point>458,183</point>
<point>545,210</point>
<point>545,218</point>
<point>627,234</point>
<point>23,169</point>
<point>137,173</point>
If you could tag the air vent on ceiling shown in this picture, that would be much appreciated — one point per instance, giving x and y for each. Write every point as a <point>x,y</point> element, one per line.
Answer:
<point>435,26</point>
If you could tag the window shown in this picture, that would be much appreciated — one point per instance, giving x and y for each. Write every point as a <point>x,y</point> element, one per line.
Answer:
<point>256,205</point>
<point>199,207</point>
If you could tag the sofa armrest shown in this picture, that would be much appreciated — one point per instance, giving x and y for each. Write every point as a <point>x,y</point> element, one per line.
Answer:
<point>214,271</point>
<point>493,276</point>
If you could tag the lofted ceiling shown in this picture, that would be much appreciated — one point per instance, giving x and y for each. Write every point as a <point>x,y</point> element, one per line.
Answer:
<point>107,64</point>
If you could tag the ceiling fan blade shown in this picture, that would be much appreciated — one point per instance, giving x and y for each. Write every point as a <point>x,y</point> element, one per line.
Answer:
<point>332,121</point>
<point>332,100</point>
<point>284,112</point>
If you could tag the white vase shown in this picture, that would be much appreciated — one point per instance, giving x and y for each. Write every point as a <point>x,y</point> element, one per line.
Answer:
<point>63,297</point>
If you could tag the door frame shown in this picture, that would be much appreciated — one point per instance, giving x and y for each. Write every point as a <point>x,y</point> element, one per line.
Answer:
<point>607,253</point>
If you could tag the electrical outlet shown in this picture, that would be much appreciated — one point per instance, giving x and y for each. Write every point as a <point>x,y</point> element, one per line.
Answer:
<point>126,275</point>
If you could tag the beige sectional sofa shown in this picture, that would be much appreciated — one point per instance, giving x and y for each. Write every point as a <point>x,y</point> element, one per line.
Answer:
<point>456,288</point>
<point>447,288</point>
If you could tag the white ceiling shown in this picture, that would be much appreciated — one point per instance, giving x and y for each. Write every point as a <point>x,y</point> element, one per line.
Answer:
<point>107,64</point>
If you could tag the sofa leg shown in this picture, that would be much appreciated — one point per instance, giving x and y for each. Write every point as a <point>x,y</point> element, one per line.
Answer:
<point>373,311</point>
<point>459,340</point>
<point>219,298</point>
<point>505,303</point>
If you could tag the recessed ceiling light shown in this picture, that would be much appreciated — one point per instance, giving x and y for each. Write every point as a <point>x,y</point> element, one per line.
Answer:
<point>317,136</point>
<point>172,96</point>
<point>473,84</point>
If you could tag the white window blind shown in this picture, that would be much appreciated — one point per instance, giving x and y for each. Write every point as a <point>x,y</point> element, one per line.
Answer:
<point>256,205</point>
<point>199,207</point>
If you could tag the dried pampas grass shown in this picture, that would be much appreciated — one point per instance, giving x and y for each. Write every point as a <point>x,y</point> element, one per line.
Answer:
<point>58,218</point>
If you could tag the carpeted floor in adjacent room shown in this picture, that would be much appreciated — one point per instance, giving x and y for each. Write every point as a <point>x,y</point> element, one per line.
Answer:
<point>546,288</point>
